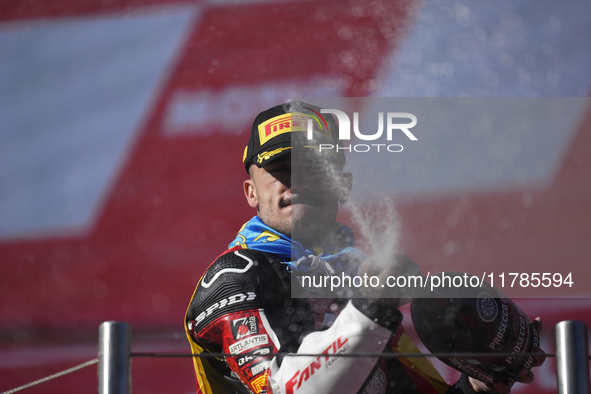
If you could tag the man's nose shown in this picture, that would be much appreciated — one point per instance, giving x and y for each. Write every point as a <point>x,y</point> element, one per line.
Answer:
<point>302,181</point>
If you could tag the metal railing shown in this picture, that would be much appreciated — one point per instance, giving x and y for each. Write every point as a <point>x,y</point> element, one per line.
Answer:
<point>114,359</point>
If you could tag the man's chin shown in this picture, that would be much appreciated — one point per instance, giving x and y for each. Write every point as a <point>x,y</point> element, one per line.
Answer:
<point>308,222</point>
<point>306,215</point>
<point>302,210</point>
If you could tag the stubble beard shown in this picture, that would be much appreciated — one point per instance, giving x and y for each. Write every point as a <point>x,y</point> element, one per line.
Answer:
<point>310,227</point>
<point>275,220</point>
<point>300,226</point>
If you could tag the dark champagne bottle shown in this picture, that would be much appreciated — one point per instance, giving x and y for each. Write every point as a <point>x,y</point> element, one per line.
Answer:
<point>481,320</point>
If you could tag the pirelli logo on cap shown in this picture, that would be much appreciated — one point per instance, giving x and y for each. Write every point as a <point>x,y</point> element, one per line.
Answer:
<point>287,123</point>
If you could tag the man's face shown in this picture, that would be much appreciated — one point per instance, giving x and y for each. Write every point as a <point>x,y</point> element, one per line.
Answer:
<point>301,203</point>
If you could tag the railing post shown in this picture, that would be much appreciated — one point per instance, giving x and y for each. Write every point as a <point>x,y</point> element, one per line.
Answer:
<point>114,367</point>
<point>572,357</point>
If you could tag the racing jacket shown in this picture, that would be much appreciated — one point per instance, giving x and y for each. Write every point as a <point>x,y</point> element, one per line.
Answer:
<point>242,307</point>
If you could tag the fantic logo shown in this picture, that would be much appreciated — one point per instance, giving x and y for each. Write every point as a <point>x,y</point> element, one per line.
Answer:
<point>393,123</point>
<point>338,347</point>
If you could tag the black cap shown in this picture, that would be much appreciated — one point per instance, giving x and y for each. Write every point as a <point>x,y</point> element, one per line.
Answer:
<point>278,130</point>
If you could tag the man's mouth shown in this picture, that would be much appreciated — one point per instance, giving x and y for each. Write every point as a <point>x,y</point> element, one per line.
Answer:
<point>299,200</point>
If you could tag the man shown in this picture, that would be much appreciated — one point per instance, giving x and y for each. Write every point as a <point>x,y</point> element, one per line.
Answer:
<point>243,305</point>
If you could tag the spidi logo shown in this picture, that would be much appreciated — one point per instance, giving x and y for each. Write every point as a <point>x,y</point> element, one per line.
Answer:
<point>395,125</point>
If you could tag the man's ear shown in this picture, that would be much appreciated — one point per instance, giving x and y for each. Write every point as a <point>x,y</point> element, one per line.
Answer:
<point>345,187</point>
<point>251,193</point>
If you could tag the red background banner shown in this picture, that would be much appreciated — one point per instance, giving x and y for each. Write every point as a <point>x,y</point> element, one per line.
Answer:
<point>123,130</point>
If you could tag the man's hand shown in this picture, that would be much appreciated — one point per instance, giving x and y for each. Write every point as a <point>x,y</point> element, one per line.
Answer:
<point>525,375</point>
<point>400,265</point>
